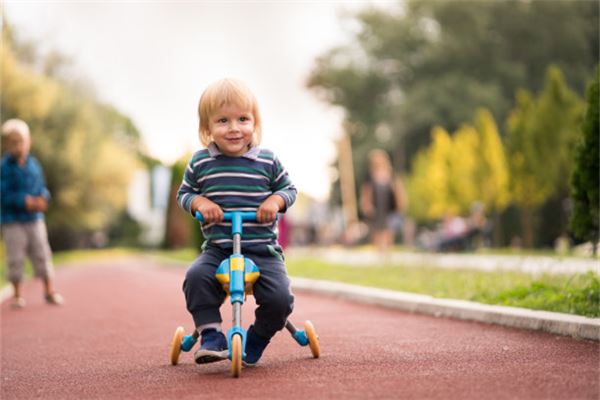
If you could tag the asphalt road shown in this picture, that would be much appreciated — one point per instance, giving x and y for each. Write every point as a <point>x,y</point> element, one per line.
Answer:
<point>110,341</point>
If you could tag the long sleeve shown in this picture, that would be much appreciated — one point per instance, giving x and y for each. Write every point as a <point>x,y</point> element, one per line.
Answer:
<point>11,198</point>
<point>282,185</point>
<point>188,190</point>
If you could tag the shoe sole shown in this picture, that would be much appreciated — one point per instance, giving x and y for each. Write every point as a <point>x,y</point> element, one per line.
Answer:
<point>207,356</point>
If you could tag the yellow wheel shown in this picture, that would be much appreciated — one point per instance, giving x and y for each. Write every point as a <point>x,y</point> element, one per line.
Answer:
<point>236,356</point>
<point>176,345</point>
<point>313,339</point>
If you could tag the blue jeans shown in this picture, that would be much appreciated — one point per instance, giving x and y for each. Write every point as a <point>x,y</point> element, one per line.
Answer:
<point>204,294</point>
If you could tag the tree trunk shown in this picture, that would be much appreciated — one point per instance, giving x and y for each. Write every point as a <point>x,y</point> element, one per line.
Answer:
<point>497,229</point>
<point>527,227</point>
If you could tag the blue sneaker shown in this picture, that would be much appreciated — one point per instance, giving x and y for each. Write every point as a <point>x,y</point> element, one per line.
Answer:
<point>213,347</point>
<point>255,345</point>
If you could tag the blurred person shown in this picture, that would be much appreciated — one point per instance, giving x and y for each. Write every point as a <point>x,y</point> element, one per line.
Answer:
<point>452,233</point>
<point>382,200</point>
<point>478,227</point>
<point>469,233</point>
<point>24,200</point>
<point>234,174</point>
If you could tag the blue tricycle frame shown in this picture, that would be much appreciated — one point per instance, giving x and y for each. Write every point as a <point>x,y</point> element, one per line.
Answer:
<point>237,274</point>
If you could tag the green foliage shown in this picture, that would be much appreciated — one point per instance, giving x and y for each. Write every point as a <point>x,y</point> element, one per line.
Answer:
<point>432,63</point>
<point>542,133</point>
<point>574,294</point>
<point>429,63</point>
<point>579,295</point>
<point>125,231</point>
<point>182,230</point>
<point>585,179</point>
<point>88,149</point>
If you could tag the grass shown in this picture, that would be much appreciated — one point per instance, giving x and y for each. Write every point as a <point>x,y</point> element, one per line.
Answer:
<point>574,294</point>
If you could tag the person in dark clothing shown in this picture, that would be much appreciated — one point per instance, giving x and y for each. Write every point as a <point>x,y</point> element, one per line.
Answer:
<point>382,200</point>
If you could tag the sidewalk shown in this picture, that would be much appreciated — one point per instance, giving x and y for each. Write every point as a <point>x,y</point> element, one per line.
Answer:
<point>529,264</point>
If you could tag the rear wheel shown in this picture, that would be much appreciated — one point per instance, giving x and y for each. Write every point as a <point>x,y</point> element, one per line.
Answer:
<point>236,355</point>
<point>313,339</point>
<point>176,345</point>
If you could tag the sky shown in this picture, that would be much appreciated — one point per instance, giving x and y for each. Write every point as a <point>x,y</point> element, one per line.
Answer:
<point>152,60</point>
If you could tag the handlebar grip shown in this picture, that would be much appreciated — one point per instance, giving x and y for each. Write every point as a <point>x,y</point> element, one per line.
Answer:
<point>229,215</point>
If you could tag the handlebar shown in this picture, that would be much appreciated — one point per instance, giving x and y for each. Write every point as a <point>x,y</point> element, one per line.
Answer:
<point>230,215</point>
<point>236,218</point>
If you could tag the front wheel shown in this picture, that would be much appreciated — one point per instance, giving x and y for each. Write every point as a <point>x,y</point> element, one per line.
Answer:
<point>236,356</point>
<point>313,339</point>
<point>176,345</point>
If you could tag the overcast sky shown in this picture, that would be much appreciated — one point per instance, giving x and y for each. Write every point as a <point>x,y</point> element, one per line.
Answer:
<point>152,60</point>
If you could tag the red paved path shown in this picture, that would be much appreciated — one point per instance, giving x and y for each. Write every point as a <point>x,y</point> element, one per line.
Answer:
<point>110,341</point>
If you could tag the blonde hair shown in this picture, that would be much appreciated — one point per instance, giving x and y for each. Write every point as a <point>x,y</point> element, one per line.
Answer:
<point>380,159</point>
<point>15,126</point>
<point>222,93</point>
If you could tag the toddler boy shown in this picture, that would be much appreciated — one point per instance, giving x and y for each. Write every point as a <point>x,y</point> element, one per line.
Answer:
<point>24,199</point>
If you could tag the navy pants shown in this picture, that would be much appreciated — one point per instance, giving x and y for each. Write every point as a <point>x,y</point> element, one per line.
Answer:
<point>204,295</point>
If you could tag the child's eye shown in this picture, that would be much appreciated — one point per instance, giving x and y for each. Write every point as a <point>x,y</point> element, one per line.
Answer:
<point>244,119</point>
<point>222,120</point>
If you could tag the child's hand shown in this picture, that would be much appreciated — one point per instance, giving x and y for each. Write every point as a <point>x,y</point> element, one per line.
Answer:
<point>41,204</point>
<point>35,204</point>
<point>209,210</point>
<point>30,204</point>
<point>267,212</point>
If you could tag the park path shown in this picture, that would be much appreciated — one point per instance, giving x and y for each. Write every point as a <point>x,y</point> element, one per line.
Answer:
<point>110,341</point>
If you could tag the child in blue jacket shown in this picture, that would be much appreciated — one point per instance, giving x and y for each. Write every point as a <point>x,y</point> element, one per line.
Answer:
<point>24,199</point>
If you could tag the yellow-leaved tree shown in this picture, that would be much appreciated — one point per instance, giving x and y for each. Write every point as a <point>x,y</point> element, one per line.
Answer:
<point>456,171</point>
<point>87,149</point>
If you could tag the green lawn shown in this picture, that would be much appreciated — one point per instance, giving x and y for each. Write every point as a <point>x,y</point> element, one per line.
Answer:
<point>574,294</point>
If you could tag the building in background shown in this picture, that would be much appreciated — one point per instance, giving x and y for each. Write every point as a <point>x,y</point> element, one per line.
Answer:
<point>147,201</point>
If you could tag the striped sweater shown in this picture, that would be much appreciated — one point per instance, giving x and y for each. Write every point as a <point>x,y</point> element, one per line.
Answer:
<point>236,184</point>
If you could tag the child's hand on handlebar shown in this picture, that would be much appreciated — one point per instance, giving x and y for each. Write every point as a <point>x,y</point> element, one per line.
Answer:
<point>209,210</point>
<point>267,212</point>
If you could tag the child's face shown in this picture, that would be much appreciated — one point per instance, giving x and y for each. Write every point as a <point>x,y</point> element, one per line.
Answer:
<point>17,145</point>
<point>232,129</point>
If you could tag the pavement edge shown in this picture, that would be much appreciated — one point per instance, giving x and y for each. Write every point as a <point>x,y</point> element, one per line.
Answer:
<point>558,323</point>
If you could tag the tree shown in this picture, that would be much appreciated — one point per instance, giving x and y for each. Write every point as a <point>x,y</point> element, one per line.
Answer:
<point>540,143</point>
<point>433,63</point>
<point>428,186</point>
<point>492,174</point>
<point>585,178</point>
<point>492,168</point>
<point>88,149</point>
<point>456,171</point>
<point>463,160</point>
<point>181,230</point>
